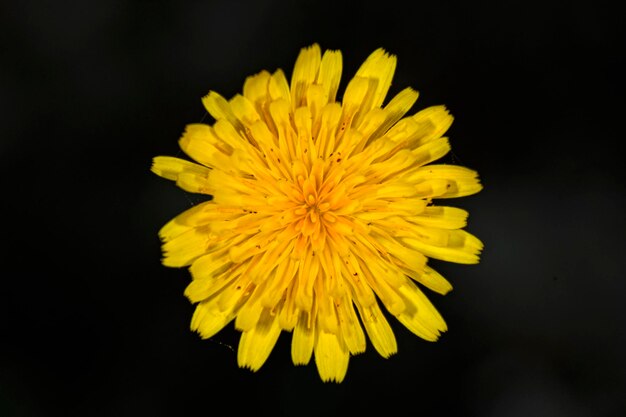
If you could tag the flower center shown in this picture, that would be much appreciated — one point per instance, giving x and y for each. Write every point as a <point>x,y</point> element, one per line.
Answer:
<point>313,210</point>
<point>317,194</point>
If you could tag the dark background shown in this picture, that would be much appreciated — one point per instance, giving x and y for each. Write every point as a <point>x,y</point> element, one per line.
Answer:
<point>91,324</point>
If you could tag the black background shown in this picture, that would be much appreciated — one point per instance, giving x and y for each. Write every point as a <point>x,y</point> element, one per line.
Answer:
<point>91,324</point>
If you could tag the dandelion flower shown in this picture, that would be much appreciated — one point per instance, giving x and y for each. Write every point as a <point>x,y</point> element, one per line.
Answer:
<point>322,213</point>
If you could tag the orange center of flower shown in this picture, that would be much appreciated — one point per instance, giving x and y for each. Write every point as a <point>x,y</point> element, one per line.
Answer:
<point>317,201</point>
<point>314,212</point>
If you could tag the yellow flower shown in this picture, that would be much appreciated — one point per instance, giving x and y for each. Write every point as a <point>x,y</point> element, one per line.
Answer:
<point>321,212</point>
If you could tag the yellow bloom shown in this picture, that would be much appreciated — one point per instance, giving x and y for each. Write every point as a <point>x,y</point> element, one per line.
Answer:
<point>319,206</point>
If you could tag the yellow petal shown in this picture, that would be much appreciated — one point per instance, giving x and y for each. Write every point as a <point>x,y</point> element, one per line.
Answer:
<point>201,289</point>
<point>220,109</point>
<point>199,142</point>
<point>255,88</point>
<point>356,99</point>
<point>433,280</point>
<point>378,330</point>
<point>331,113</point>
<point>303,340</point>
<point>185,248</point>
<point>369,129</point>
<point>249,314</point>
<point>209,265</point>
<point>459,181</point>
<point>279,87</point>
<point>396,108</point>
<point>355,278</point>
<point>170,168</point>
<point>326,314</point>
<point>460,247</point>
<point>243,109</point>
<point>386,293</point>
<point>304,73</point>
<point>442,217</point>
<point>407,256</point>
<point>285,149</point>
<point>430,151</point>
<point>329,74</point>
<point>288,316</point>
<point>400,105</point>
<point>316,98</point>
<point>237,292</point>
<point>256,344</point>
<point>173,228</point>
<point>227,133</point>
<point>307,274</point>
<point>393,167</point>
<point>379,66</point>
<point>351,329</point>
<point>331,357</point>
<point>208,319</point>
<point>285,273</point>
<point>436,118</point>
<point>420,316</point>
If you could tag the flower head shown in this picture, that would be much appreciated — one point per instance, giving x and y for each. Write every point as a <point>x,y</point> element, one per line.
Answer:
<point>322,212</point>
